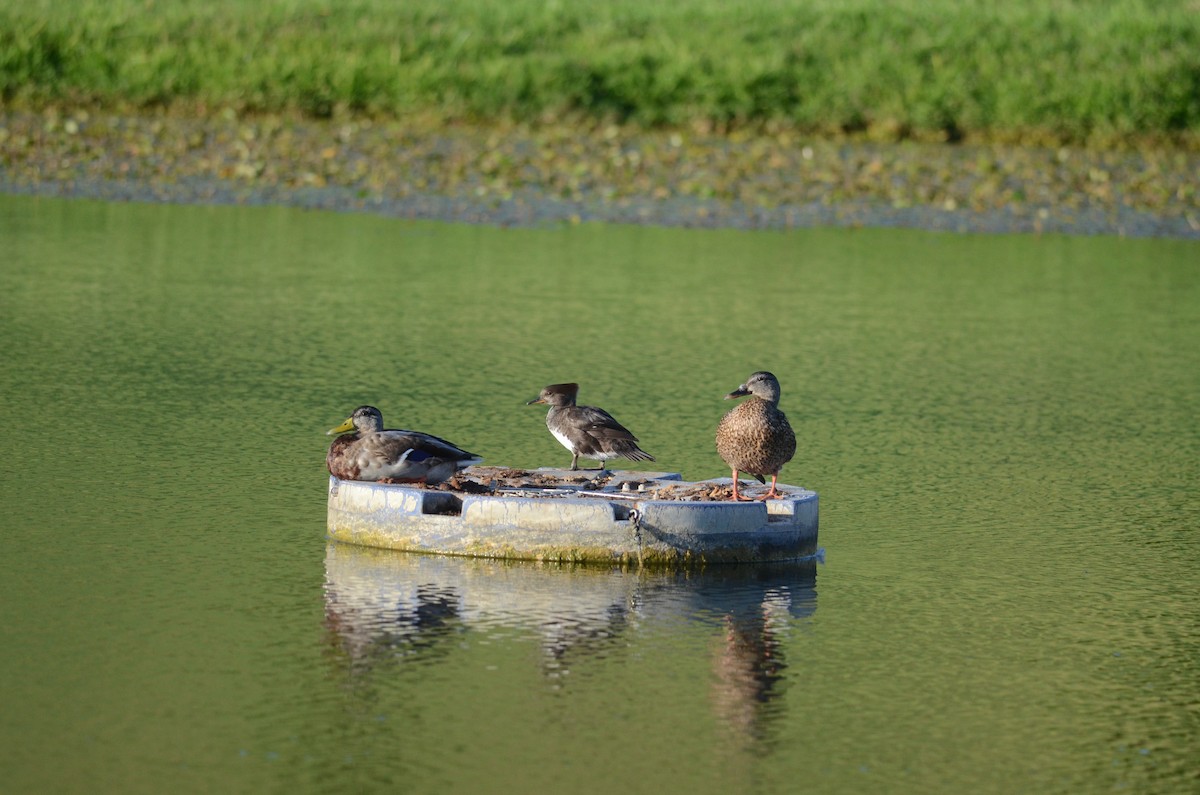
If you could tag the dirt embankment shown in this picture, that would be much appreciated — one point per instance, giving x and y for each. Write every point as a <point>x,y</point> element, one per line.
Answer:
<point>519,175</point>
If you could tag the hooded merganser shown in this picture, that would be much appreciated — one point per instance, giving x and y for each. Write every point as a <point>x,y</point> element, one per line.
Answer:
<point>586,430</point>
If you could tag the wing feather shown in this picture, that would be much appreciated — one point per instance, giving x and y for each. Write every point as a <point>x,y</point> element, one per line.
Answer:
<point>602,425</point>
<point>394,443</point>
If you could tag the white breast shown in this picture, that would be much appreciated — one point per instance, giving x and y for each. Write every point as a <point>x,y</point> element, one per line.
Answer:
<point>562,439</point>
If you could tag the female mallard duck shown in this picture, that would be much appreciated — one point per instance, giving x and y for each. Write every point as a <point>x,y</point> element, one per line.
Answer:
<point>586,430</point>
<point>372,453</point>
<point>755,437</point>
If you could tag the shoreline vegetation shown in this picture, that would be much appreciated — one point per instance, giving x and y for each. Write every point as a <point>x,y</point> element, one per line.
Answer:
<point>1070,116</point>
<point>1117,73</point>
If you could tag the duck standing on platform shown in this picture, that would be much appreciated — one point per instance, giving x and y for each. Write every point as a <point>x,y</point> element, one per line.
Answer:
<point>586,430</point>
<point>391,456</point>
<point>755,437</point>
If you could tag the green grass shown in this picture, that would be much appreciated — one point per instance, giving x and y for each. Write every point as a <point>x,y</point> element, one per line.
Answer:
<point>1074,70</point>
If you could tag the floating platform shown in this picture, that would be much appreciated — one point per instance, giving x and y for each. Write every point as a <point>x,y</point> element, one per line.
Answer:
<point>653,518</point>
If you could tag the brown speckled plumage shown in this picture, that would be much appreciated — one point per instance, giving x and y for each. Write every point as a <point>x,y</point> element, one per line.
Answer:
<point>337,459</point>
<point>755,437</point>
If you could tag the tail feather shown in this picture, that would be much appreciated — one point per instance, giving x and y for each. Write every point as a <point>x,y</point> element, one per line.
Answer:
<point>637,454</point>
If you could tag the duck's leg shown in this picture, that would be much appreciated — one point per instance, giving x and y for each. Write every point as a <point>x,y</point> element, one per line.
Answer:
<point>574,462</point>
<point>737,497</point>
<point>772,494</point>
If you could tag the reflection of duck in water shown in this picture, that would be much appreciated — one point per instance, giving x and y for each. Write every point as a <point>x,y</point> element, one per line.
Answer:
<point>749,665</point>
<point>391,456</point>
<point>383,605</point>
<point>565,642</point>
<point>755,437</point>
<point>414,623</point>
<point>384,608</point>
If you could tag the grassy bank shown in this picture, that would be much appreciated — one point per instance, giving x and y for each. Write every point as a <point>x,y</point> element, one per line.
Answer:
<point>1025,70</point>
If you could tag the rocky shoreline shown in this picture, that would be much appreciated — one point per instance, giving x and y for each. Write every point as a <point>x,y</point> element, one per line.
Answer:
<point>526,176</point>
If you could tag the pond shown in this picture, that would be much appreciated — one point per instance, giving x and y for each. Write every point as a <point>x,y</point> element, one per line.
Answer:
<point>1004,432</point>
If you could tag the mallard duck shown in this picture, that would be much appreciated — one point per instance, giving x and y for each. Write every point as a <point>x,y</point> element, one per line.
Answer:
<point>372,453</point>
<point>755,437</point>
<point>586,430</point>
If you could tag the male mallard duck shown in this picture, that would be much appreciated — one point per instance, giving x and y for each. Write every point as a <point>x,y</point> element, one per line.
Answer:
<point>755,437</point>
<point>372,453</point>
<point>586,430</point>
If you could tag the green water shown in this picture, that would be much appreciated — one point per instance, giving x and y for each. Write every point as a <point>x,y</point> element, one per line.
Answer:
<point>1004,431</point>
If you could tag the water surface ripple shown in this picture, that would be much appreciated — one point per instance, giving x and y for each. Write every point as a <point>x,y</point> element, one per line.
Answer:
<point>1003,430</point>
